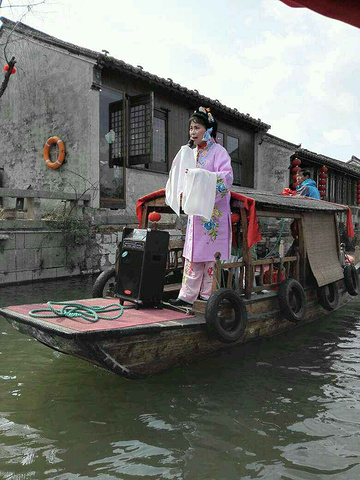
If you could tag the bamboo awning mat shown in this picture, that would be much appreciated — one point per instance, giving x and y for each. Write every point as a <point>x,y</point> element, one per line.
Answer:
<point>322,248</point>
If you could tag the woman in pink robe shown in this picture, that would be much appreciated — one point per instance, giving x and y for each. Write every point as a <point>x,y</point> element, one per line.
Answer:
<point>206,237</point>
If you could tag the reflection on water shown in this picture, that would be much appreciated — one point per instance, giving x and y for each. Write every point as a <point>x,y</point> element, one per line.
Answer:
<point>282,408</point>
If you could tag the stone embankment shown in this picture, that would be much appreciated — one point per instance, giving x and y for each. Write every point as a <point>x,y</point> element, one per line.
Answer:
<point>36,250</point>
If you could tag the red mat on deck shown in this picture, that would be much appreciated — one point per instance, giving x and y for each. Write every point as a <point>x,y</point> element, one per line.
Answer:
<point>130,318</point>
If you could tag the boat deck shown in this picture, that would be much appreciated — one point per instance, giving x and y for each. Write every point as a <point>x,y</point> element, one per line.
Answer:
<point>131,319</point>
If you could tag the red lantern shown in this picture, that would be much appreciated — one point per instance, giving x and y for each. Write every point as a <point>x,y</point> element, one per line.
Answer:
<point>6,68</point>
<point>235,218</point>
<point>322,188</point>
<point>295,170</point>
<point>322,181</point>
<point>294,178</point>
<point>323,175</point>
<point>323,169</point>
<point>294,185</point>
<point>296,162</point>
<point>154,217</point>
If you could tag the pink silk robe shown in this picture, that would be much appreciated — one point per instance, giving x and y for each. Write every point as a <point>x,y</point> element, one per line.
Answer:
<point>204,238</point>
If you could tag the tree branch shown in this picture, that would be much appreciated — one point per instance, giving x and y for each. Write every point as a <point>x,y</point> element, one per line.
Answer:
<point>23,6</point>
<point>7,76</point>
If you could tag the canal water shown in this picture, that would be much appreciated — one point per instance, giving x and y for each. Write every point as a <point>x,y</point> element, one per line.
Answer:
<point>283,408</point>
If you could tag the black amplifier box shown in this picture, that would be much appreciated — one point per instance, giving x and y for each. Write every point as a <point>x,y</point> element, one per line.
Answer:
<point>142,266</point>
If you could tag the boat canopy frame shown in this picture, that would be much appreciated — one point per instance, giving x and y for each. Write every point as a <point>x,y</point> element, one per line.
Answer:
<point>266,205</point>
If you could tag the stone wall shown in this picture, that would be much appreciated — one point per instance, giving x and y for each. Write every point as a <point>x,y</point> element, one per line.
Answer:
<point>49,97</point>
<point>39,253</point>
<point>272,166</point>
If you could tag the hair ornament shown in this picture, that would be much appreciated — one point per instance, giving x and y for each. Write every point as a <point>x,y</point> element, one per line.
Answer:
<point>207,135</point>
<point>206,111</point>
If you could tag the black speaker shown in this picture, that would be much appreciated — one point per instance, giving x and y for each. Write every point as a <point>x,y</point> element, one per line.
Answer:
<point>142,266</point>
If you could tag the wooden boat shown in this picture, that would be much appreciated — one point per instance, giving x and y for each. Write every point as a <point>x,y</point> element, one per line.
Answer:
<point>251,298</point>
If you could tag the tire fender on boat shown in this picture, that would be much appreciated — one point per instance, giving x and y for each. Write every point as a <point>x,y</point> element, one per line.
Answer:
<point>101,281</point>
<point>292,300</point>
<point>351,280</point>
<point>328,296</point>
<point>226,330</point>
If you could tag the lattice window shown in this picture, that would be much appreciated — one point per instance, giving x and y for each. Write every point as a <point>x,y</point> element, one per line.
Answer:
<point>140,129</point>
<point>117,124</point>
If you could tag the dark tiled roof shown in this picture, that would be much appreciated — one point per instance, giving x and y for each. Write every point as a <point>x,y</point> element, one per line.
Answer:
<point>344,167</point>
<point>280,141</point>
<point>290,204</point>
<point>354,162</point>
<point>169,84</point>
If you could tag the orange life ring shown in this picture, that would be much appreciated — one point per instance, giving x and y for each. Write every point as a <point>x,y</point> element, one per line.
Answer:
<point>46,152</point>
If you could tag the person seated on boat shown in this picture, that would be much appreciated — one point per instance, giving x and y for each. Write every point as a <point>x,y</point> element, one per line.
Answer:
<point>306,186</point>
<point>206,200</point>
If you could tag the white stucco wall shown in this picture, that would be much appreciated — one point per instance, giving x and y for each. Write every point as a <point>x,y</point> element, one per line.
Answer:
<point>49,95</point>
<point>272,166</point>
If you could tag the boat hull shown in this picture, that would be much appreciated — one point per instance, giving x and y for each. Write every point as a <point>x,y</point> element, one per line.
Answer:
<point>150,349</point>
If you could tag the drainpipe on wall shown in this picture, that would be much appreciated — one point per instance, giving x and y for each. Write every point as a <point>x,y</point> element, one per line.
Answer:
<point>1,183</point>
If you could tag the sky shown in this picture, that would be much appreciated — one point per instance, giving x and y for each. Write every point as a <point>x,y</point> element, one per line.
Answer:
<point>293,68</point>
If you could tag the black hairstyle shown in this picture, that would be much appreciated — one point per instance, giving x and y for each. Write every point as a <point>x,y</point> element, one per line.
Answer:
<point>203,117</point>
<point>306,173</point>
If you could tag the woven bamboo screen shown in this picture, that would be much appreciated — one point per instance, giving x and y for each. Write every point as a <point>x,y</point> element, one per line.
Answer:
<point>322,247</point>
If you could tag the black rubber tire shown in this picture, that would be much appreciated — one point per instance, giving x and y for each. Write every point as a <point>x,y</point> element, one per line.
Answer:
<point>328,296</point>
<point>225,330</point>
<point>101,281</point>
<point>292,300</point>
<point>351,280</point>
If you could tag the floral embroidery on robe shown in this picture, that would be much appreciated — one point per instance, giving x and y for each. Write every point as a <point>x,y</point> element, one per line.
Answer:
<point>205,238</point>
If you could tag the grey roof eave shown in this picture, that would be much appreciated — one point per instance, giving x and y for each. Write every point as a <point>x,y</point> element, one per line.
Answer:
<point>106,61</point>
<point>284,203</point>
<point>302,153</point>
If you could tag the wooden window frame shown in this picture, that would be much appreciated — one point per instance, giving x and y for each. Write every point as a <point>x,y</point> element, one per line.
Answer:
<point>147,100</point>
<point>225,145</point>
<point>154,166</point>
<point>116,202</point>
<point>115,107</point>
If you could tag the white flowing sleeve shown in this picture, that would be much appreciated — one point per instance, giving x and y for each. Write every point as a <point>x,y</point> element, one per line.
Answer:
<point>199,192</point>
<point>175,185</point>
